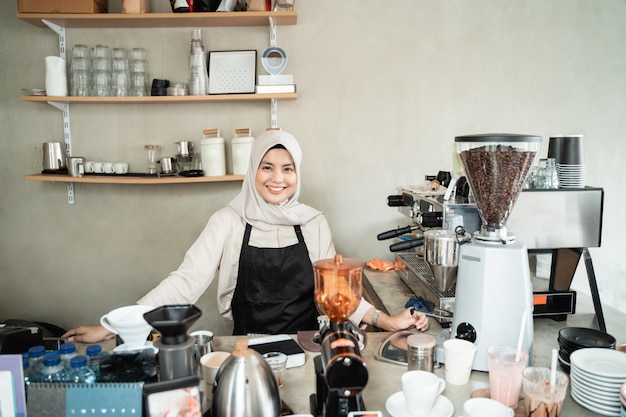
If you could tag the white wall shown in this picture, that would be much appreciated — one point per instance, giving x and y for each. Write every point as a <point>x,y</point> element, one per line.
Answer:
<point>383,91</point>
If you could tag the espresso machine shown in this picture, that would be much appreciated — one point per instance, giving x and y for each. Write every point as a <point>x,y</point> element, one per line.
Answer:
<point>341,373</point>
<point>494,295</point>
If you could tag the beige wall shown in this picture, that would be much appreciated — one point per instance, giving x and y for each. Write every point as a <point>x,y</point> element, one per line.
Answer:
<point>383,91</point>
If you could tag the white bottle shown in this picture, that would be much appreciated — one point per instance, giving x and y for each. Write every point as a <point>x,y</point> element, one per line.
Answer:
<point>212,153</point>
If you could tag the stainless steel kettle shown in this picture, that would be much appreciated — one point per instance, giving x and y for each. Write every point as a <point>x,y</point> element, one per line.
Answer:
<point>245,386</point>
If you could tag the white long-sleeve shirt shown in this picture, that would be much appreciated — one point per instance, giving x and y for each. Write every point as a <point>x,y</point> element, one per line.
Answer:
<point>217,250</point>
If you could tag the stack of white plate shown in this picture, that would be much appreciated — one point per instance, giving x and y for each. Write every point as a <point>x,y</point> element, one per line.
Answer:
<point>623,398</point>
<point>597,376</point>
<point>571,176</point>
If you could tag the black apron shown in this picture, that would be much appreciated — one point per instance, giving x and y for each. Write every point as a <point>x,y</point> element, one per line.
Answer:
<point>275,291</point>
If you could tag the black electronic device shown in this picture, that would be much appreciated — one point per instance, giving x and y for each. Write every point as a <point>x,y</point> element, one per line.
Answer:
<point>18,339</point>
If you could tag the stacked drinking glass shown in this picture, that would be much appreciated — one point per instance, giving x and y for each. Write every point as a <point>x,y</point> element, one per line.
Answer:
<point>80,71</point>
<point>139,72</point>
<point>101,65</point>
<point>108,72</point>
<point>120,76</point>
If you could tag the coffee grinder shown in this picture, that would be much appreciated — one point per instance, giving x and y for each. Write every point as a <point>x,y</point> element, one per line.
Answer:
<point>175,345</point>
<point>340,371</point>
<point>493,288</point>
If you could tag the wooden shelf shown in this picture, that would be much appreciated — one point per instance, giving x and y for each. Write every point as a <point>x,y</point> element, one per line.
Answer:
<point>160,20</point>
<point>216,98</point>
<point>124,179</point>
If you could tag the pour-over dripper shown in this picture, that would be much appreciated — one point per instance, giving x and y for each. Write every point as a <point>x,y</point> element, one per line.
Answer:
<point>496,166</point>
<point>173,321</point>
<point>338,287</point>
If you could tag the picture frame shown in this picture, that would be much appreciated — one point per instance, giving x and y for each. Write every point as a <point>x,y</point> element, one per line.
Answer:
<point>12,391</point>
<point>179,396</point>
<point>232,72</point>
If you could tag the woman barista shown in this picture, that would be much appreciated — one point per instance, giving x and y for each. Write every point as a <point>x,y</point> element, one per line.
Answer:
<point>261,247</point>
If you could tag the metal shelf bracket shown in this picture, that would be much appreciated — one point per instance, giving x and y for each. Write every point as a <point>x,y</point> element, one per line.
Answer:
<point>64,107</point>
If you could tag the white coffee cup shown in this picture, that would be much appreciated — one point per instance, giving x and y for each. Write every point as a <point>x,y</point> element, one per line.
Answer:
<point>98,168</point>
<point>421,389</point>
<point>121,168</point>
<point>129,324</point>
<point>458,359</point>
<point>88,167</point>
<point>108,167</point>
<point>481,407</point>
<point>211,363</point>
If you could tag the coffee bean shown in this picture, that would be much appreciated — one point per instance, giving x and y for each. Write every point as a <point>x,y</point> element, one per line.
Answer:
<point>496,178</point>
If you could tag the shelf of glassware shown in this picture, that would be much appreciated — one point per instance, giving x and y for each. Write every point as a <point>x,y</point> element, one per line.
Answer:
<point>162,99</point>
<point>131,179</point>
<point>160,20</point>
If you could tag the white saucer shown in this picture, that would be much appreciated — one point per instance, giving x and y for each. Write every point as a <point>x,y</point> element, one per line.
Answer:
<point>396,406</point>
<point>124,348</point>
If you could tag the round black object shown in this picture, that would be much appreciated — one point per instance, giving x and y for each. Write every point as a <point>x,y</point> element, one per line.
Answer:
<point>466,331</point>
<point>583,337</point>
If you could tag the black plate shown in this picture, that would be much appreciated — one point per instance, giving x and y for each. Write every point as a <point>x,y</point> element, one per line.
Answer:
<point>586,338</point>
<point>192,173</point>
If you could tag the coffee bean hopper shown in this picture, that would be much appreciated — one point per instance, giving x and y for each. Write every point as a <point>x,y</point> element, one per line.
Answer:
<point>493,287</point>
<point>340,371</point>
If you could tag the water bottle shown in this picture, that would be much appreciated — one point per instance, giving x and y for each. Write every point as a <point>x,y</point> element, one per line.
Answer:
<point>93,359</point>
<point>25,367</point>
<point>53,370</point>
<point>35,361</point>
<point>67,351</point>
<point>80,373</point>
<point>198,75</point>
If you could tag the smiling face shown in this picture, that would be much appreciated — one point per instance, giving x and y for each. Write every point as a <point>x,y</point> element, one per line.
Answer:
<point>276,178</point>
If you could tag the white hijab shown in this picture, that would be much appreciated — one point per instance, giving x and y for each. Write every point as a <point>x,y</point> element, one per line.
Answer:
<point>252,207</point>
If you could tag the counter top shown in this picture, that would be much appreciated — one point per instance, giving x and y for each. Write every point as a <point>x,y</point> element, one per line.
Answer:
<point>385,377</point>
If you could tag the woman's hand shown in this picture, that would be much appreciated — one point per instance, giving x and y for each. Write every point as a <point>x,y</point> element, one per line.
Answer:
<point>88,334</point>
<point>400,321</point>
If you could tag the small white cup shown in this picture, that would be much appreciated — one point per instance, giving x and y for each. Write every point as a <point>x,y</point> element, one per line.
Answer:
<point>98,168</point>
<point>88,167</point>
<point>459,357</point>
<point>108,167</point>
<point>121,168</point>
<point>481,407</point>
<point>211,363</point>
<point>421,389</point>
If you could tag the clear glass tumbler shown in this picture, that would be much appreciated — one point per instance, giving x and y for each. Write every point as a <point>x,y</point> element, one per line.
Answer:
<point>153,154</point>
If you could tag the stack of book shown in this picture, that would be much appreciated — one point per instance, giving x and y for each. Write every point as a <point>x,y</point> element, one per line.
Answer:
<point>269,84</point>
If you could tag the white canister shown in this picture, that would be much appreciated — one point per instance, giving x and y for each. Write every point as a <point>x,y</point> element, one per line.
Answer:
<point>212,153</point>
<point>241,146</point>
<point>56,76</point>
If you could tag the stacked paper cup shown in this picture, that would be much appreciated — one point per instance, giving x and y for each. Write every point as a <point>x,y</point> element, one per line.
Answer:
<point>567,150</point>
